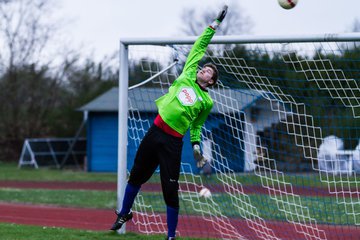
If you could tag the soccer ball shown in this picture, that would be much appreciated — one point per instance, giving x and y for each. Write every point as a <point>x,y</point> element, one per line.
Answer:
<point>204,192</point>
<point>287,4</point>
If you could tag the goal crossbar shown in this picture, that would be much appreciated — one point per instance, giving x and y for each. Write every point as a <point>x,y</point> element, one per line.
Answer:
<point>243,39</point>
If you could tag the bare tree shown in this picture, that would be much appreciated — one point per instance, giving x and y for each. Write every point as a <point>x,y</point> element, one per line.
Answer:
<point>236,21</point>
<point>42,79</point>
<point>28,90</point>
<point>25,31</point>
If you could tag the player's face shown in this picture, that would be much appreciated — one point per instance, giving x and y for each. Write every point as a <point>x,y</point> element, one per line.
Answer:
<point>205,75</point>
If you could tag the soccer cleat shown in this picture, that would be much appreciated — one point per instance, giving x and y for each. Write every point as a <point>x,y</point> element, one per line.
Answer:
<point>120,220</point>
<point>170,238</point>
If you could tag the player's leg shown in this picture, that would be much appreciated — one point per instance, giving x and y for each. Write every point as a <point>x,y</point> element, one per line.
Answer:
<point>170,160</point>
<point>144,166</point>
<point>146,159</point>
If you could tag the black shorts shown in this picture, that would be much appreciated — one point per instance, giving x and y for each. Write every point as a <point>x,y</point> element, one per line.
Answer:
<point>159,148</point>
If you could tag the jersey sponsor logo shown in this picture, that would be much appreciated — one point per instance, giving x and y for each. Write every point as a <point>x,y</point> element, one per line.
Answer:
<point>187,96</point>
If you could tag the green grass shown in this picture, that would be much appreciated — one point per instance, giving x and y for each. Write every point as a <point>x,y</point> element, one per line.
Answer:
<point>300,179</point>
<point>10,171</point>
<point>324,209</point>
<point>24,232</point>
<point>69,198</point>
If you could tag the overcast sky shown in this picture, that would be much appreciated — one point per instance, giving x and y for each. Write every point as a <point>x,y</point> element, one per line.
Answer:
<point>100,24</point>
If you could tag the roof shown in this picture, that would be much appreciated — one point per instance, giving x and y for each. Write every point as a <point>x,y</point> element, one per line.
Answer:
<point>143,99</point>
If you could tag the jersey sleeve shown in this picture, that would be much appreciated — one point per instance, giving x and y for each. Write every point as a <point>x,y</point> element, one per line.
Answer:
<point>198,50</point>
<point>195,126</point>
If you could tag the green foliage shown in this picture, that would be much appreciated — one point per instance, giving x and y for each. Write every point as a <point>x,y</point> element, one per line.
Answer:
<point>140,70</point>
<point>82,84</point>
<point>28,95</point>
<point>37,103</point>
<point>143,69</point>
<point>314,82</point>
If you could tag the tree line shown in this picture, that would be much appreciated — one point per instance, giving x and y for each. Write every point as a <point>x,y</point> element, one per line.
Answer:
<point>43,81</point>
<point>325,85</point>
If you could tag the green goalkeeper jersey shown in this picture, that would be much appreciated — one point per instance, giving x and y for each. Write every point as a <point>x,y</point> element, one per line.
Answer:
<point>186,104</point>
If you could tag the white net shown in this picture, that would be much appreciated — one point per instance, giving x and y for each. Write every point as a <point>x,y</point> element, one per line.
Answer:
<point>281,140</point>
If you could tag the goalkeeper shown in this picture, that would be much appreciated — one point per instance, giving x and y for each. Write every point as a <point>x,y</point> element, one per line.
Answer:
<point>186,105</point>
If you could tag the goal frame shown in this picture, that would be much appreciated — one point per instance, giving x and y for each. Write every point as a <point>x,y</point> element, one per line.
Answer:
<point>234,39</point>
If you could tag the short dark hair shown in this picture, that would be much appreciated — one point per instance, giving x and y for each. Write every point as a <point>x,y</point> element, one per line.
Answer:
<point>216,72</point>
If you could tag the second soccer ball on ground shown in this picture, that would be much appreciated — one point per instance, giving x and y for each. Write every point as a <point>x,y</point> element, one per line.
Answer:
<point>204,192</point>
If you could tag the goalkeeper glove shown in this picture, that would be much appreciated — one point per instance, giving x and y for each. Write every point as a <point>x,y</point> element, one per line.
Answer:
<point>219,18</point>
<point>200,159</point>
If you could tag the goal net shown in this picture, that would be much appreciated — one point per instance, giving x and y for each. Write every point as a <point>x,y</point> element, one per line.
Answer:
<point>282,138</point>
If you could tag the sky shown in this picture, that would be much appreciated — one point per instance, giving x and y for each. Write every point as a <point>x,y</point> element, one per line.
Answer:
<point>98,25</point>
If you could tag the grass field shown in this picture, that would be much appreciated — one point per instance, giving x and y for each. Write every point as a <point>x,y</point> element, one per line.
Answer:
<point>70,198</point>
<point>23,232</point>
<point>320,205</point>
<point>11,172</point>
<point>107,200</point>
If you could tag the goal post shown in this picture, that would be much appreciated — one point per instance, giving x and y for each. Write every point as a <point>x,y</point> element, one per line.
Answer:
<point>123,126</point>
<point>283,137</point>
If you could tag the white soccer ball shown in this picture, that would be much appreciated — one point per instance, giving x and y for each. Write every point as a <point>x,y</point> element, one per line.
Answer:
<point>204,192</point>
<point>287,4</point>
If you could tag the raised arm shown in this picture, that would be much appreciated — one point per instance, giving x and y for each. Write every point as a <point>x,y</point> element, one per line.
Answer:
<point>195,132</point>
<point>199,48</point>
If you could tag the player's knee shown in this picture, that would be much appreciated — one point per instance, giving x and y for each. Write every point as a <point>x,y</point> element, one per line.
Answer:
<point>172,201</point>
<point>138,176</point>
<point>171,196</point>
<point>135,179</point>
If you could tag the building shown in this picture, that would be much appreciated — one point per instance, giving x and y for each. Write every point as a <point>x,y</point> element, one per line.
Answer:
<point>249,108</point>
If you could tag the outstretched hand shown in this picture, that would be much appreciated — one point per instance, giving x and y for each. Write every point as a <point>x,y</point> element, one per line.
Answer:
<point>220,17</point>
<point>222,13</point>
<point>200,159</point>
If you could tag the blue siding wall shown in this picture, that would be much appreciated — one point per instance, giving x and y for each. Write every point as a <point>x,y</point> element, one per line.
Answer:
<point>102,142</point>
<point>102,145</point>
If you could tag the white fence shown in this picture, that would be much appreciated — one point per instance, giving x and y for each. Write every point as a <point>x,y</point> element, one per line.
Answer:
<point>332,157</point>
<point>53,151</point>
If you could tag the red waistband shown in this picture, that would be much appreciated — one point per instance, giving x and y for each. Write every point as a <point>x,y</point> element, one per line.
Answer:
<point>159,122</point>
